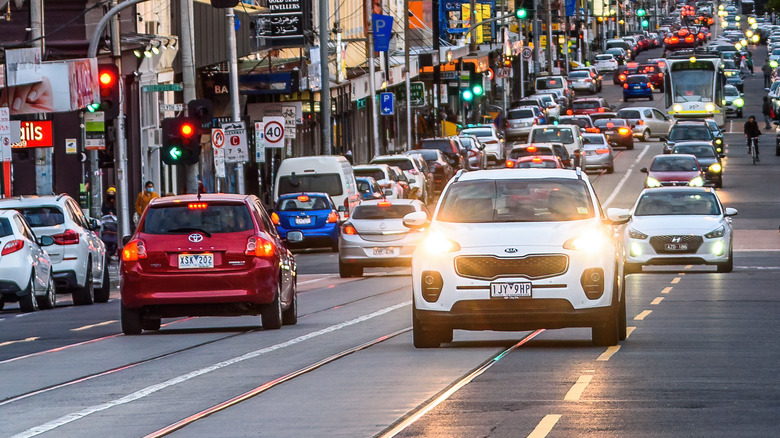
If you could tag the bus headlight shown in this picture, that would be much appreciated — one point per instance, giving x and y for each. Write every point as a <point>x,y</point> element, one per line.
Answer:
<point>652,182</point>
<point>739,102</point>
<point>755,38</point>
<point>715,168</point>
<point>709,107</point>
<point>677,108</point>
<point>696,182</point>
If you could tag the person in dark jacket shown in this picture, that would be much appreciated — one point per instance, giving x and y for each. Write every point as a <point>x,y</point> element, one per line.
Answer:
<point>752,131</point>
<point>767,112</point>
<point>767,69</point>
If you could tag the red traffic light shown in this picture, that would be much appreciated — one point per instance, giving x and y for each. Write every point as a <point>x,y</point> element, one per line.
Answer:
<point>187,130</point>
<point>106,78</point>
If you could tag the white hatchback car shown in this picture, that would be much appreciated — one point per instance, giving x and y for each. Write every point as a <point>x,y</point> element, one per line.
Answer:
<point>488,136</point>
<point>383,175</point>
<point>678,226</point>
<point>25,267</point>
<point>78,255</point>
<point>509,250</point>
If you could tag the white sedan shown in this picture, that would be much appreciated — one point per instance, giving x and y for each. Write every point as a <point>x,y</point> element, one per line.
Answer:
<point>678,226</point>
<point>25,268</point>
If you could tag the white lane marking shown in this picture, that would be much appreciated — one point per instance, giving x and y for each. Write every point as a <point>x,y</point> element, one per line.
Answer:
<point>578,388</point>
<point>545,426</point>
<point>757,267</point>
<point>610,351</point>
<point>86,327</point>
<point>625,177</point>
<point>666,290</point>
<point>675,280</point>
<point>325,277</point>
<point>37,430</point>
<point>19,341</point>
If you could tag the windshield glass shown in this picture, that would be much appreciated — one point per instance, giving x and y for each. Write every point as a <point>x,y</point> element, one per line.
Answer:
<point>582,122</point>
<point>586,104</point>
<point>609,123</point>
<point>548,84</point>
<point>329,183</point>
<point>479,132</point>
<point>180,219</point>
<point>700,151</point>
<point>303,203</point>
<point>594,139</point>
<point>537,163</point>
<point>403,163</point>
<point>677,203</point>
<point>604,58</point>
<point>516,200</point>
<point>521,114</point>
<point>47,216</point>
<point>680,133</point>
<point>380,212</point>
<point>552,135</point>
<point>732,91</point>
<point>535,150</point>
<point>693,81</point>
<point>5,227</point>
<point>674,164</point>
<point>579,75</point>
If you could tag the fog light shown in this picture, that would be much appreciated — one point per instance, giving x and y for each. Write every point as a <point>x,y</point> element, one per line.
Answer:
<point>431,283</point>
<point>636,249</point>
<point>717,248</point>
<point>592,281</point>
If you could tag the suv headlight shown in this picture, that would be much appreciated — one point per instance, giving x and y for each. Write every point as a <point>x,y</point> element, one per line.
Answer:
<point>634,234</point>
<point>591,242</point>
<point>718,232</point>
<point>738,102</point>
<point>696,182</point>
<point>715,168</point>
<point>437,243</point>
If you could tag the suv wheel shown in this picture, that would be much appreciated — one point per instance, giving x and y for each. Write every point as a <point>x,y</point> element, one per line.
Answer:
<point>132,324</point>
<point>49,300</point>
<point>728,265</point>
<point>347,270</point>
<point>427,338</point>
<point>272,313</point>
<point>102,294</point>
<point>85,295</point>
<point>151,324</point>
<point>28,303</point>
<point>608,333</point>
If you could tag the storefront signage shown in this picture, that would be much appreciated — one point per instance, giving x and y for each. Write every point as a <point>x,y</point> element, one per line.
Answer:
<point>285,25</point>
<point>35,134</point>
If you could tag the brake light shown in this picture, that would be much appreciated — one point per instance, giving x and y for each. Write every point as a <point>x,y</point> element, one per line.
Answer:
<point>12,246</point>
<point>134,251</point>
<point>414,171</point>
<point>640,122</point>
<point>346,207</point>
<point>660,75</point>
<point>662,64</point>
<point>625,86</point>
<point>349,229</point>
<point>602,151</point>
<point>610,125</point>
<point>333,217</point>
<point>384,203</point>
<point>701,36</point>
<point>69,237</point>
<point>510,163</point>
<point>622,77</point>
<point>303,198</point>
<point>588,80</point>
<point>601,110</point>
<point>532,149</point>
<point>592,130</point>
<point>275,218</point>
<point>569,112</point>
<point>259,247</point>
<point>536,159</point>
<point>197,205</point>
<point>649,85</point>
<point>624,131</point>
<point>675,40</point>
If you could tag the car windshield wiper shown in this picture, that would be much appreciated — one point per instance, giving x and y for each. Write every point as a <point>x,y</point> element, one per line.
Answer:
<point>187,229</point>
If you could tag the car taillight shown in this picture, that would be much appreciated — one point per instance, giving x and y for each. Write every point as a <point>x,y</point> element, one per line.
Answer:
<point>675,40</point>
<point>649,85</point>
<point>660,75</point>
<point>259,247</point>
<point>134,251</point>
<point>69,237</point>
<point>569,112</point>
<point>275,218</point>
<point>625,86</point>
<point>333,217</point>
<point>622,77</point>
<point>640,122</point>
<point>602,151</point>
<point>601,110</point>
<point>689,39</point>
<point>624,131</point>
<point>12,246</point>
<point>349,229</point>
<point>588,80</point>
<point>346,207</point>
<point>510,163</point>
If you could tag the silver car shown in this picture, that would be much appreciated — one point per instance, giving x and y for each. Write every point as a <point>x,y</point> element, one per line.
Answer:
<point>581,81</point>
<point>520,121</point>
<point>734,101</point>
<point>375,236</point>
<point>598,153</point>
<point>646,122</point>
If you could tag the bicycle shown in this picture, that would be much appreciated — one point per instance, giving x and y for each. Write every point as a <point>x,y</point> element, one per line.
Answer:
<point>753,148</point>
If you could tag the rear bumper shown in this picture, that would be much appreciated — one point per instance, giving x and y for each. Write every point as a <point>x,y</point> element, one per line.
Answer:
<point>325,236</point>
<point>64,280</point>
<point>9,287</point>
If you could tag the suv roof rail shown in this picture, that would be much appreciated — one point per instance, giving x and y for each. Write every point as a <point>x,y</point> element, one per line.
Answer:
<point>459,174</point>
<point>60,196</point>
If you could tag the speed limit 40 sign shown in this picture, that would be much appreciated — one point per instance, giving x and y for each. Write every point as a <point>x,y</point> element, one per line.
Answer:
<point>273,131</point>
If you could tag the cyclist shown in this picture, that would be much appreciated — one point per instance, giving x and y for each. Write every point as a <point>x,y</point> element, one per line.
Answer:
<point>752,131</point>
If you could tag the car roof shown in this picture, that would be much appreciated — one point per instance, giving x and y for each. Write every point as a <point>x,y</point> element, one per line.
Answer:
<point>677,189</point>
<point>694,143</point>
<point>205,197</point>
<point>494,174</point>
<point>34,200</point>
<point>294,195</point>
<point>383,157</point>
<point>670,156</point>
<point>391,201</point>
<point>370,166</point>
<point>7,213</point>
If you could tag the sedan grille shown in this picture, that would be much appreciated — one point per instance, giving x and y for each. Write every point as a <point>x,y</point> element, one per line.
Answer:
<point>676,244</point>
<point>492,267</point>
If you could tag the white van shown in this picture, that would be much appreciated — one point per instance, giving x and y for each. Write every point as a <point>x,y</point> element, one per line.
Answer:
<point>330,174</point>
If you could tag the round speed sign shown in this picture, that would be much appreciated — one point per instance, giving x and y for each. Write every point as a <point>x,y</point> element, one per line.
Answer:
<point>274,133</point>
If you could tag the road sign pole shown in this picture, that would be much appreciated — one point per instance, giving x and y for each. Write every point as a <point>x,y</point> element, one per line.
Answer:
<point>409,140</point>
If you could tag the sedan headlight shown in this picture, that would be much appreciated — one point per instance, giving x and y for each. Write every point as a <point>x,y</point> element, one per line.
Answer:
<point>437,243</point>
<point>590,242</point>
<point>739,102</point>
<point>715,168</point>
<point>652,182</point>
<point>696,182</point>
<point>718,232</point>
<point>634,234</point>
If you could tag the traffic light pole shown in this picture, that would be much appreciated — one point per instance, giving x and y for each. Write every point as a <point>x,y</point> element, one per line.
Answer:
<point>120,146</point>
<point>233,71</point>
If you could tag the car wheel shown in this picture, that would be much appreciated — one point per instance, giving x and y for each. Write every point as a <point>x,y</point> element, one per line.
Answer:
<point>28,303</point>
<point>611,169</point>
<point>102,294</point>
<point>651,97</point>
<point>49,300</point>
<point>85,295</point>
<point>423,338</point>
<point>335,246</point>
<point>719,184</point>
<point>290,316</point>
<point>131,320</point>
<point>728,266</point>
<point>645,136</point>
<point>739,113</point>
<point>608,334</point>
<point>622,319</point>
<point>347,270</point>
<point>632,268</point>
<point>2,302</point>
<point>630,146</point>
<point>151,324</point>
<point>272,313</point>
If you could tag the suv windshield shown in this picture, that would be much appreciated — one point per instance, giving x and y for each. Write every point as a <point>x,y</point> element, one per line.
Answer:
<point>678,203</point>
<point>428,154</point>
<point>303,203</point>
<point>548,83</point>
<point>47,216</point>
<point>516,200</point>
<point>586,104</point>
<point>552,135</point>
<point>380,212</point>
<point>700,151</point>
<point>443,145</point>
<point>180,219</point>
<point>403,163</point>
<point>478,132</point>
<point>520,114</point>
<point>329,183</point>
<point>629,114</point>
<point>377,174</point>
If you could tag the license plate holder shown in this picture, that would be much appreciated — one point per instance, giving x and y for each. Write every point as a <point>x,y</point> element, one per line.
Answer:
<point>676,247</point>
<point>196,261</point>
<point>511,290</point>
<point>385,251</point>
<point>303,220</point>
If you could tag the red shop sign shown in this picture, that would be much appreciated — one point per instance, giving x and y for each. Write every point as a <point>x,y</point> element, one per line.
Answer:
<point>35,134</point>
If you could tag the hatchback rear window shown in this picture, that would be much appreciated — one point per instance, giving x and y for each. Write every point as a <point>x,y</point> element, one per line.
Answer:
<point>442,145</point>
<point>214,219</point>
<point>303,203</point>
<point>481,133</point>
<point>629,114</point>
<point>403,163</point>
<point>329,183</point>
<point>604,58</point>
<point>521,114</point>
<point>637,79</point>
<point>429,154</point>
<point>548,84</point>
<point>382,212</point>
<point>5,227</point>
<point>586,104</point>
<point>42,216</point>
<point>674,164</point>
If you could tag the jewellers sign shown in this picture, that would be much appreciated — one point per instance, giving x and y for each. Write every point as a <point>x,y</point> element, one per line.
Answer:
<point>285,25</point>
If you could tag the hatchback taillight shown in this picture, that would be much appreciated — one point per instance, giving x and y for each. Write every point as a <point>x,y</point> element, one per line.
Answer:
<point>602,151</point>
<point>624,131</point>
<point>275,218</point>
<point>134,251</point>
<point>349,229</point>
<point>69,237</point>
<point>625,86</point>
<point>12,246</point>
<point>259,247</point>
<point>333,217</point>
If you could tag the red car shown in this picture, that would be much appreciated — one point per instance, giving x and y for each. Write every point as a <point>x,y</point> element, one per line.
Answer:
<point>207,255</point>
<point>588,105</point>
<point>624,71</point>
<point>674,170</point>
<point>539,162</point>
<point>655,74</point>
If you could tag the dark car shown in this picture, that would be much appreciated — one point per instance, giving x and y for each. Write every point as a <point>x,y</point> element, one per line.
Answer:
<point>584,122</point>
<point>655,74</point>
<point>439,166</point>
<point>687,130</point>
<point>717,134</point>
<point>622,72</point>
<point>588,105</point>
<point>708,159</point>
<point>207,255</point>
<point>617,132</point>
<point>369,188</point>
<point>673,170</point>
<point>637,86</point>
<point>447,146</point>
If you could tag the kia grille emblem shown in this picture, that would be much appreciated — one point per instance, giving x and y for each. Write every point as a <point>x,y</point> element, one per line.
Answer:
<point>511,250</point>
<point>195,238</point>
<point>676,239</point>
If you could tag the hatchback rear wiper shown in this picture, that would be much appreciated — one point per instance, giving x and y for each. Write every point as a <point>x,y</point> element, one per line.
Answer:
<point>186,229</point>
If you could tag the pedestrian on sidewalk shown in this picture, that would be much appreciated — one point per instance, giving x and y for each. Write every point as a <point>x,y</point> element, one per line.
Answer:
<point>767,111</point>
<point>145,197</point>
<point>767,69</point>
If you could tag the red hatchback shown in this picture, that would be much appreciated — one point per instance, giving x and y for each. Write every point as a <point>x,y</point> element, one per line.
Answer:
<point>208,255</point>
<point>674,170</point>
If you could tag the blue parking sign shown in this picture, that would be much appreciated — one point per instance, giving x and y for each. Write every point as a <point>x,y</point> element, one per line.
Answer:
<point>387,104</point>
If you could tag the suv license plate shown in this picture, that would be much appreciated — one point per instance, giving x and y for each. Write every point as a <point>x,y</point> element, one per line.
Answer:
<point>391,251</point>
<point>676,247</point>
<point>196,261</point>
<point>510,290</point>
<point>306,220</point>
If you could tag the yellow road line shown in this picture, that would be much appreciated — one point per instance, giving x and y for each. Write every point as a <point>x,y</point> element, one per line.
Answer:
<point>93,325</point>
<point>629,330</point>
<point>642,315</point>
<point>676,280</point>
<point>545,426</point>
<point>3,344</point>
<point>657,301</point>
<point>605,356</point>
<point>666,290</point>
<point>576,391</point>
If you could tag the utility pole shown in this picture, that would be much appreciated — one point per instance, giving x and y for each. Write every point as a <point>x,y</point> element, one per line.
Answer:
<point>407,67</point>
<point>325,80</point>
<point>436,70</point>
<point>472,22</point>
<point>549,38</point>
<point>188,76</point>
<point>372,79</point>
<point>120,145</point>
<point>235,110</point>
<point>535,29</point>
<point>43,167</point>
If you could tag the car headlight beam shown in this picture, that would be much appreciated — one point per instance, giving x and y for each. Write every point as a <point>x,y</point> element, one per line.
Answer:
<point>715,168</point>
<point>589,242</point>
<point>437,243</point>
<point>696,182</point>
<point>739,102</point>
<point>652,182</point>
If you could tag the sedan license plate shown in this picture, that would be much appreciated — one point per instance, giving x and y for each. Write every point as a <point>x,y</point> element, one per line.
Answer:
<point>305,220</point>
<point>609,132</point>
<point>387,251</point>
<point>510,290</point>
<point>676,247</point>
<point>196,261</point>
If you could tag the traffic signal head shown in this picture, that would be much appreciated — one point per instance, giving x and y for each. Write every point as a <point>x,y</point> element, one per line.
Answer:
<point>468,96</point>
<point>645,23</point>
<point>641,12</point>
<point>181,140</point>
<point>108,82</point>
<point>521,13</point>
<point>201,110</point>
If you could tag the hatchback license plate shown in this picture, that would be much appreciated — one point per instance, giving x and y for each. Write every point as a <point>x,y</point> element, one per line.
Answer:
<point>196,261</point>
<point>391,251</point>
<point>306,220</point>
<point>510,290</point>
<point>676,247</point>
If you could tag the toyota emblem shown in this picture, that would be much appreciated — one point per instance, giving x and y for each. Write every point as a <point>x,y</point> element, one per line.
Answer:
<point>511,250</point>
<point>195,238</point>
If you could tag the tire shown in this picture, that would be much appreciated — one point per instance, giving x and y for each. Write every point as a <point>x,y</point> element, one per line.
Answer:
<point>728,266</point>
<point>632,268</point>
<point>719,184</point>
<point>651,97</point>
<point>132,324</point>
<point>424,338</point>
<point>49,300</point>
<point>630,146</point>
<point>272,313</point>
<point>104,292</point>
<point>608,334</point>
<point>645,136</point>
<point>622,319</point>
<point>290,316</point>
<point>739,114</point>
<point>27,302</point>
<point>347,270</point>
<point>151,324</point>
<point>335,247</point>
<point>85,295</point>
<point>2,302</point>
<point>611,169</point>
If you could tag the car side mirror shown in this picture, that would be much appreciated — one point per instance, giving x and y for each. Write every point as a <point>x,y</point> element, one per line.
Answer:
<point>45,241</point>
<point>94,224</point>
<point>729,212</point>
<point>618,216</point>
<point>126,240</point>
<point>664,139</point>
<point>341,209</point>
<point>294,236</point>
<point>643,170</point>
<point>415,219</point>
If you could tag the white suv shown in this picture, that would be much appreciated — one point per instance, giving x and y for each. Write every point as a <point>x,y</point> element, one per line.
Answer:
<point>78,255</point>
<point>512,251</point>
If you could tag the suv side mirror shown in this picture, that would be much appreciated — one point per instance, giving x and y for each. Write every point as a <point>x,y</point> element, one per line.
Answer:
<point>618,216</point>
<point>45,241</point>
<point>731,211</point>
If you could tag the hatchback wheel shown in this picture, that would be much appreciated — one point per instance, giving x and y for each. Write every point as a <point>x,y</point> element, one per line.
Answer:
<point>2,302</point>
<point>28,303</point>
<point>104,292</point>
<point>290,316</point>
<point>272,313</point>
<point>49,300</point>
<point>346,270</point>
<point>727,266</point>
<point>151,324</point>
<point>85,295</point>
<point>132,324</point>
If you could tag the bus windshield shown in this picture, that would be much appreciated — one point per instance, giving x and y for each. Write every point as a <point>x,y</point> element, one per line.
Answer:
<point>692,81</point>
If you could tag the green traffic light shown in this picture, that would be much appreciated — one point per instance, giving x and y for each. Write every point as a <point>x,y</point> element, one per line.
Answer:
<point>521,13</point>
<point>468,95</point>
<point>92,107</point>
<point>477,90</point>
<point>175,153</point>
<point>640,12</point>
<point>645,23</point>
